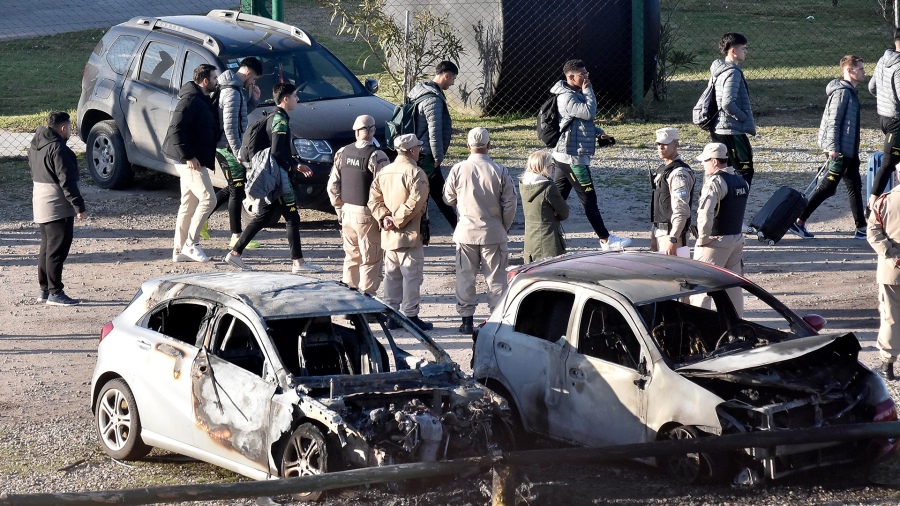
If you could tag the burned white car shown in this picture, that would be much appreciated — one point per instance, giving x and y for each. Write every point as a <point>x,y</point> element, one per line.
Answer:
<point>605,349</point>
<point>273,375</point>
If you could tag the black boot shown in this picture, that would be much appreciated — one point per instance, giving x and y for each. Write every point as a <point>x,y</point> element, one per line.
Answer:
<point>468,325</point>
<point>887,370</point>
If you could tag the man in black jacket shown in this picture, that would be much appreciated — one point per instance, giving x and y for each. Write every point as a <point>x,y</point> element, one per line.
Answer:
<point>56,202</point>
<point>191,140</point>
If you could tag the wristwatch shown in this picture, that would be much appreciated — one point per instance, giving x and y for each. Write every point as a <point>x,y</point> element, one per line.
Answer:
<point>673,239</point>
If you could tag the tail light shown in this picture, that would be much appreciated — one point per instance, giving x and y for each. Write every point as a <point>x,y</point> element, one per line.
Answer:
<point>885,412</point>
<point>106,330</point>
<point>512,272</point>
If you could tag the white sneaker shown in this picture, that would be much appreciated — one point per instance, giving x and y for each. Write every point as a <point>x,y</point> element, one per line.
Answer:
<point>195,253</point>
<point>304,268</point>
<point>615,243</point>
<point>178,257</point>
<point>237,261</point>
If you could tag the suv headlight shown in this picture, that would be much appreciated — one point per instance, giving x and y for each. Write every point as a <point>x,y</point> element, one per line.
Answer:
<point>314,150</point>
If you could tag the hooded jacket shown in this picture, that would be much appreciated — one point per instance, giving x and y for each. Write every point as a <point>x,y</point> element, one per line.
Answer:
<point>54,172</point>
<point>839,129</point>
<point>544,209</point>
<point>234,108</point>
<point>885,84</point>
<point>194,129</point>
<point>433,123</point>
<point>733,97</point>
<point>577,109</point>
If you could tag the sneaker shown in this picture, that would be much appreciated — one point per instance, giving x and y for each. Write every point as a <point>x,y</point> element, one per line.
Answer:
<point>178,257</point>
<point>860,234</point>
<point>61,299</point>
<point>43,295</point>
<point>800,231</point>
<point>195,253</point>
<point>747,229</point>
<point>236,261</point>
<point>250,245</point>
<point>305,267</point>
<point>423,325</point>
<point>204,230</point>
<point>615,243</point>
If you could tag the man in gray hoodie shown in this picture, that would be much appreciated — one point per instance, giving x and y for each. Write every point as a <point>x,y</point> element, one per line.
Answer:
<point>839,139</point>
<point>735,120</point>
<point>885,85</point>
<point>56,202</point>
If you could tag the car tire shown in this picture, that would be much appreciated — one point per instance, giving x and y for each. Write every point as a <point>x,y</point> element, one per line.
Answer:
<point>307,452</point>
<point>119,422</point>
<point>693,468</point>
<point>106,158</point>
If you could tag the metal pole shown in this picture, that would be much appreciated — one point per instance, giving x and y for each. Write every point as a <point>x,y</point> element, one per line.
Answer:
<point>408,33</point>
<point>277,10</point>
<point>896,15</point>
<point>637,53</point>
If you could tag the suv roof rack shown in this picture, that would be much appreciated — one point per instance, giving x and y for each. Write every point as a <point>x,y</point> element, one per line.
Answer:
<point>235,16</point>
<point>157,23</point>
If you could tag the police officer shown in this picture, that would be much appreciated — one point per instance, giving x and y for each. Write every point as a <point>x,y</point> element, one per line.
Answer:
<point>719,220</point>
<point>673,195</point>
<point>355,165</point>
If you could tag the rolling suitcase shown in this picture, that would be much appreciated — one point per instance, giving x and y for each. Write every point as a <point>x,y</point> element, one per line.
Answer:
<point>777,215</point>
<point>872,167</point>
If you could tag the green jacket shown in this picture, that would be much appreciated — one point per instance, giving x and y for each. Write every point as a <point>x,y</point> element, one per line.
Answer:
<point>544,208</point>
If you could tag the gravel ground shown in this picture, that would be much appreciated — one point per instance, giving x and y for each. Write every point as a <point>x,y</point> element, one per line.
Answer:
<point>47,354</point>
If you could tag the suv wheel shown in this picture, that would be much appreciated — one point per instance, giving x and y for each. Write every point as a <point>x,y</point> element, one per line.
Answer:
<point>106,158</point>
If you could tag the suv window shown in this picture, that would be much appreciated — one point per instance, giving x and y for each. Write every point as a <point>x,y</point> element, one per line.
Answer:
<point>158,65</point>
<point>545,314</point>
<point>120,53</point>
<point>191,61</point>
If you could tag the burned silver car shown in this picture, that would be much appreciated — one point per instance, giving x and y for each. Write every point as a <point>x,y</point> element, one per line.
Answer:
<point>607,349</point>
<point>273,375</point>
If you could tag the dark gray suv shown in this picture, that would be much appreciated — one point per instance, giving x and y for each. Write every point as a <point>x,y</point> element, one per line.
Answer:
<point>131,82</point>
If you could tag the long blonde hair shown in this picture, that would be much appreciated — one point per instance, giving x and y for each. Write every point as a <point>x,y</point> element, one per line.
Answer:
<point>540,162</point>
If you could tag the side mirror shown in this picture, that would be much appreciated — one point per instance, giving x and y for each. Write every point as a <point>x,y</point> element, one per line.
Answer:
<point>371,84</point>
<point>815,321</point>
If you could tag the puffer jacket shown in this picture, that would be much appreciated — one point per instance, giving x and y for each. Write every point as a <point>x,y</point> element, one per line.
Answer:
<point>234,108</point>
<point>54,171</point>
<point>400,190</point>
<point>266,180</point>
<point>544,209</point>
<point>577,110</point>
<point>194,129</point>
<point>885,84</point>
<point>433,123</point>
<point>839,129</point>
<point>733,98</point>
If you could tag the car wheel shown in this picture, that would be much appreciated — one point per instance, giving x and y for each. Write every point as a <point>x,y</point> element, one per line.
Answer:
<point>106,158</point>
<point>687,468</point>
<point>119,423</point>
<point>307,453</point>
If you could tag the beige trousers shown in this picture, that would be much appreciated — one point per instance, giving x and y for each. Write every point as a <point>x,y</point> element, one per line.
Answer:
<point>403,275</point>
<point>888,342</point>
<point>362,249</point>
<point>198,199</point>
<point>723,252</point>
<point>489,259</point>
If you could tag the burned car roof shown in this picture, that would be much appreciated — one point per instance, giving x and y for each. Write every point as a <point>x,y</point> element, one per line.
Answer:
<point>273,295</point>
<point>640,277</point>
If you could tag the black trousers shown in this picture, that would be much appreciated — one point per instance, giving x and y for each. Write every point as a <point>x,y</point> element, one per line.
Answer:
<point>891,129</point>
<point>740,154</point>
<point>436,188</point>
<point>579,177</point>
<point>264,215</point>
<point>845,168</point>
<point>56,239</point>
<point>233,193</point>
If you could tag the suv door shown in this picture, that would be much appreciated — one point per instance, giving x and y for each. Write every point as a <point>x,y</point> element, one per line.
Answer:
<point>149,96</point>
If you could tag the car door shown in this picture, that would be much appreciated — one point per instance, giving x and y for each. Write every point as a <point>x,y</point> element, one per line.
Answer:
<point>149,96</point>
<point>531,351</point>
<point>166,337</point>
<point>605,401</point>
<point>233,387</point>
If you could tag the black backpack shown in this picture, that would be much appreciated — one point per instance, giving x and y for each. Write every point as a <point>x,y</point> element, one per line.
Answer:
<point>707,109</point>
<point>548,129</point>
<point>255,139</point>
<point>403,121</point>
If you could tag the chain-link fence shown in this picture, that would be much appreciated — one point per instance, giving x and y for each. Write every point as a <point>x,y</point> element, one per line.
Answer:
<point>511,51</point>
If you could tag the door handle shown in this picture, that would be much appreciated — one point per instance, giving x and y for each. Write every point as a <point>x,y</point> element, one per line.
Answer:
<point>132,99</point>
<point>142,344</point>
<point>504,346</point>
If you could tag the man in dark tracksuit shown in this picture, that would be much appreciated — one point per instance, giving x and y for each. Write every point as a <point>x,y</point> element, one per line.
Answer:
<point>735,120</point>
<point>279,130</point>
<point>56,202</point>
<point>839,138</point>
<point>885,85</point>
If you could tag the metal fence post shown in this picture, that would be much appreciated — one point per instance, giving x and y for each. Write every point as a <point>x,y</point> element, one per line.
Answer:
<point>637,53</point>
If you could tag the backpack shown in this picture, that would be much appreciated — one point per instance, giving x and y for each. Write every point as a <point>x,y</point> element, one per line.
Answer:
<point>255,139</point>
<point>707,109</point>
<point>217,94</point>
<point>403,121</point>
<point>548,117</point>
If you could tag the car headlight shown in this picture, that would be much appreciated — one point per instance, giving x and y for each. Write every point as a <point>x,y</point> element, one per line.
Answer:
<point>314,150</point>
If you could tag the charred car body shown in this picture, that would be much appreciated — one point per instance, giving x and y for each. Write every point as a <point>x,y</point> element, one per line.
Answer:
<point>606,349</point>
<point>274,375</point>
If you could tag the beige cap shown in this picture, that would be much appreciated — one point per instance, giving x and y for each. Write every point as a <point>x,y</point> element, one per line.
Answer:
<point>406,142</point>
<point>666,135</point>
<point>478,137</point>
<point>363,121</point>
<point>713,150</point>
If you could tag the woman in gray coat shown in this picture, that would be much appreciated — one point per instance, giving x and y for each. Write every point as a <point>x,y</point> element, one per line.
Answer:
<point>544,209</point>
